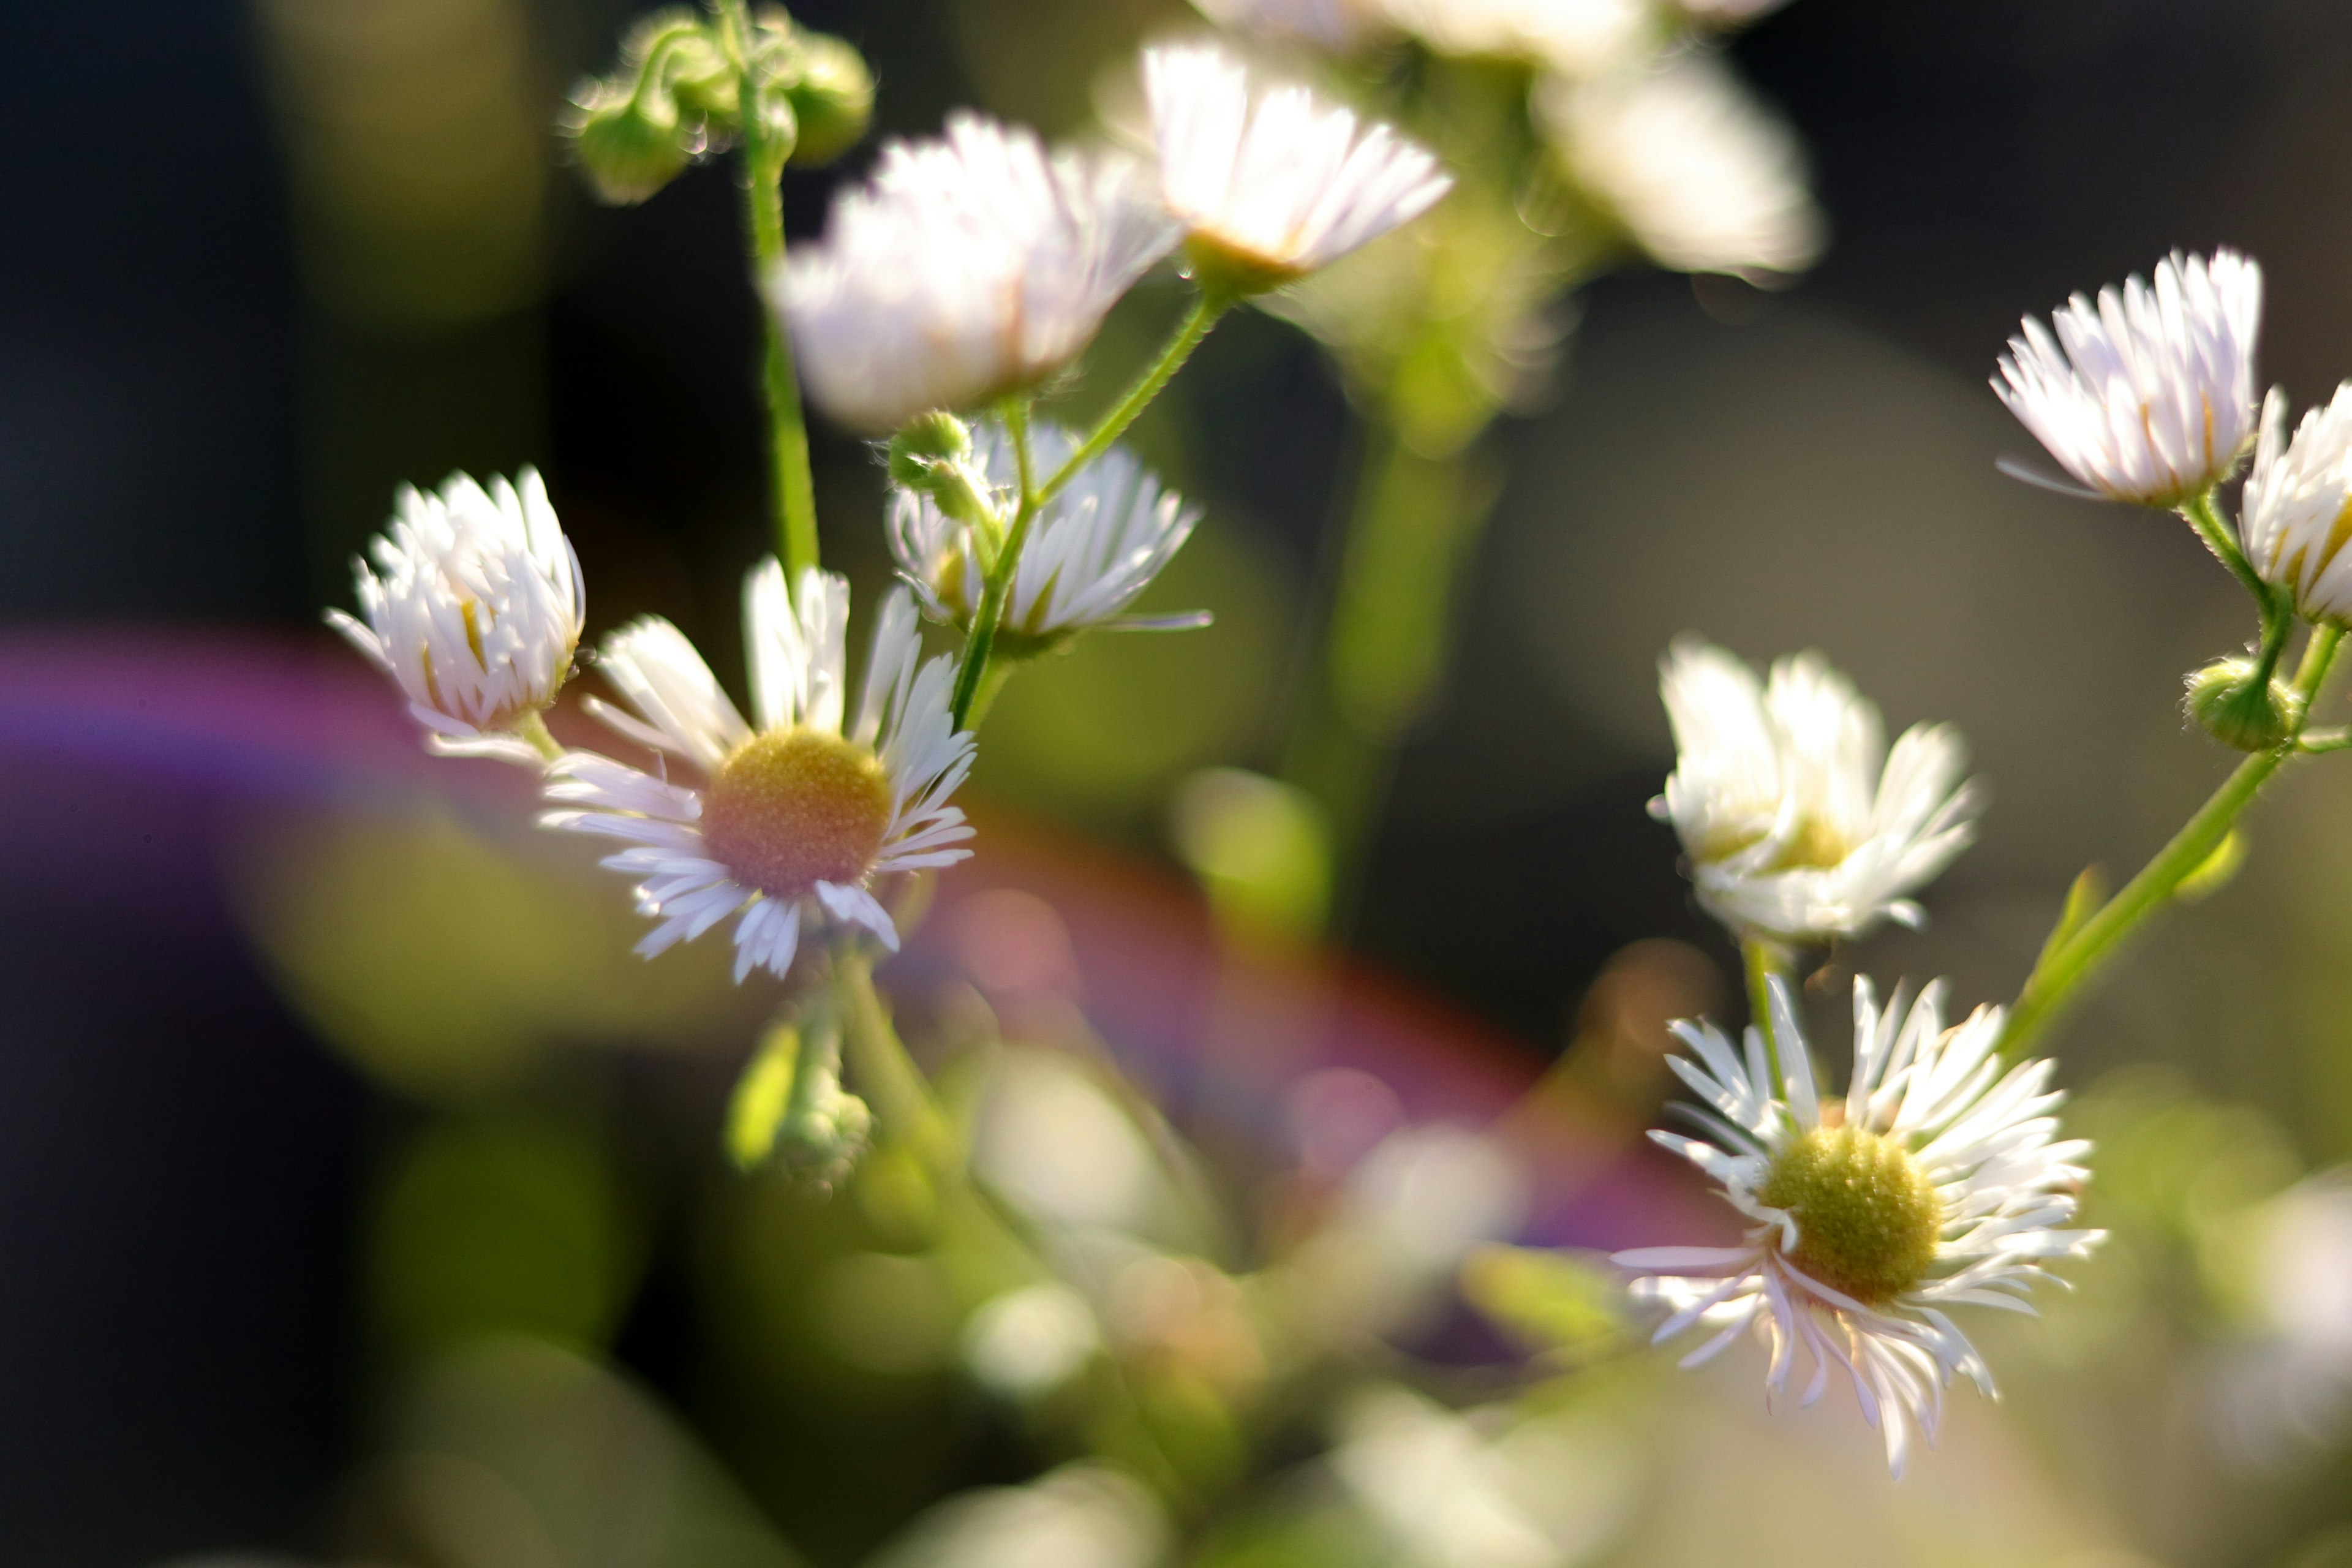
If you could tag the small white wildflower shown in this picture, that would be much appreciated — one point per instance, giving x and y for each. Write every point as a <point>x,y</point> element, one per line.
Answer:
<point>1573,36</point>
<point>1935,1182</point>
<point>2148,395</point>
<point>1338,26</point>
<point>2296,515</point>
<point>474,605</point>
<point>1794,829</point>
<point>968,267</point>
<point>1096,546</point>
<point>1704,177</point>
<point>1272,187</point>
<point>800,815</point>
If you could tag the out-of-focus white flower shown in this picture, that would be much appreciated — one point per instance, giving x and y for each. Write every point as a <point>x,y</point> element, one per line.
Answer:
<point>474,605</point>
<point>1083,1515</point>
<point>1573,36</point>
<point>1096,546</point>
<point>2289,1388</point>
<point>1272,187</point>
<point>1934,1182</point>
<point>2296,515</point>
<point>968,267</point>
<point>2148,395</point>
<point>1439,1487</point>
<point>1704,177</point>
<point>801,815</point>
<point>1028,1343</point>
<point>1338,26</point>
<point>1792,827</point>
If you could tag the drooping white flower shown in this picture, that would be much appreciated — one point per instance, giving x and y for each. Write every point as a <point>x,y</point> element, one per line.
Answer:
<point>1936,1180</point>
<point>1338,26</point>
<point>1272,187</point>
<point>2148,395</point>
<point>1794,829</point>
<point>474,605</point>
<point>801,813</point>
<point>1704,177</point>
<point>969,266</point>
<point>2295,515</point>
<point>1573,36</point>
<point>1092,548</point>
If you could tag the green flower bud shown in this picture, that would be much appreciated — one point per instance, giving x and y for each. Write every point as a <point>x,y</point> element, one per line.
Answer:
<point>630,145</point>
<point>832,96</point>
<point>2238,710</point>
<point>932,454</point>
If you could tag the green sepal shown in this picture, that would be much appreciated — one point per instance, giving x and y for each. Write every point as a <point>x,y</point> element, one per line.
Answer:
<point>2082,901</point>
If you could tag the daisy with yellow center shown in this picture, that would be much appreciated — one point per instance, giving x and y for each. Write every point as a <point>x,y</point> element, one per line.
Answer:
<point>798,817</point>
<point>1936,1180</point>
<point>1800,826</point>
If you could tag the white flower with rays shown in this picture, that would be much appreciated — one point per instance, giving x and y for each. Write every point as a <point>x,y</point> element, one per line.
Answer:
<point>2295,515</point>
<point>1799,824</point>
<point>2148,395</point>
<point>1093,547</point>
<point>474,605</point>
<point>968,267</point>
<point>1335,24</point>
<point>800,813</point>
<point>1702,175</point>
<point>1936,1180</point>
<point>1272,186</point>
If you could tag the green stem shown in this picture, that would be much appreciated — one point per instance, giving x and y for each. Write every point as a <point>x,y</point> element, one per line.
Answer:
<point>532,726</point>
<point>791,487</point>
<point>2064,969</point>
<point>1207,308</point>
<point>1765,961</point>
<point>981,641</point>
<point>886,1075</point>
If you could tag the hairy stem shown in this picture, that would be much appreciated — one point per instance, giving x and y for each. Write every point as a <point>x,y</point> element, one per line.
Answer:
<point>1206,309</point>
<point>2066,967</point>
<point>1765,961</point>
<point>981,641</point>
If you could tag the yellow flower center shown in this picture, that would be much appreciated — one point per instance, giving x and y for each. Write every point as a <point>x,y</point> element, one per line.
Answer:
<point>791,808</point>
<point>1815,846</point>
<point>1867,1217</point>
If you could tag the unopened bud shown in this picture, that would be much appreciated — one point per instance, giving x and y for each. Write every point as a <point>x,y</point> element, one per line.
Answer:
<point>788,1106</point>
<point>932,454</point>
<point>2239,706</point>
<point>832,95</point>
<point>630,145</point>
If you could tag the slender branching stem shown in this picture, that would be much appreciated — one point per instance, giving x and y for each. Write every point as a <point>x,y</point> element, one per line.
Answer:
<point>1765,961</point>
<point>766,150</point>
<point>532,726</point>
<point>1207,308</point>
<point>980,642</point>
<point>885,1074</point>
<point>2066,965</point>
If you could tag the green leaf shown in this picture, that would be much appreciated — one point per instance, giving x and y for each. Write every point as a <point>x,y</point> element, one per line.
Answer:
<point>762,1095</point>
<point>2218,869</point>
<point>2082,901</point>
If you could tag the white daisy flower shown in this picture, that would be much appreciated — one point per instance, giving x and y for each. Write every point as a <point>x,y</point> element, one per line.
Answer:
<point>1573,37</point>
<point>1273,187</point>
<point>2148,395</point>
<point>968,267</point>
<point>474,605</point>
<point>1096,546</point>
<point>799,815</point>
<point>2295,515</point>
<point>1338,26</point>
<point>1701,174</point>
<point>1935,1182</point>
<point>1793,827</point>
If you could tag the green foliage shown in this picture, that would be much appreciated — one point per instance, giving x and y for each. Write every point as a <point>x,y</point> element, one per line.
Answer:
<point>1553,1302</point>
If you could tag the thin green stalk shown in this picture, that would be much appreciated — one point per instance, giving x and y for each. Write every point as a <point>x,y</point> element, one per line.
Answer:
<point>532,726</point>
<point>981,641</point>
<point>791,487</point>
<point>2063,970</point>
<point>1206,309</point>
<point>885,1074</point>
<point>1765,961</point>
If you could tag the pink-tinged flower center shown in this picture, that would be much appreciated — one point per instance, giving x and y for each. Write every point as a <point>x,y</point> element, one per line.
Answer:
<point>791,808</point>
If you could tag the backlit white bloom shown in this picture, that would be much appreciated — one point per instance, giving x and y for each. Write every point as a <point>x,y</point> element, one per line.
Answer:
<point>969,266</point>
<point>474,605</point>
<point>1573,37</point>
<point>1934,1182</point>
<point>2287,1389</point>
<point>1794,829</point>
<point>1272,187</point>
<point>1092,548</point>
<point>799,815</point>
<point>2296,514</point>
<point>2148,395</point>
<point>1335,24</point>
<point>1704,177</point>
